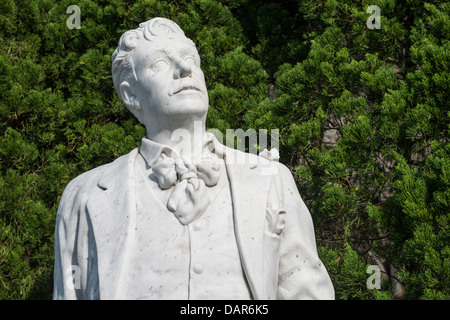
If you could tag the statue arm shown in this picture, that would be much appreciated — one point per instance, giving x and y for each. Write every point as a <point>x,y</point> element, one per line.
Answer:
<point>74,275</point>
<point>301,273</point>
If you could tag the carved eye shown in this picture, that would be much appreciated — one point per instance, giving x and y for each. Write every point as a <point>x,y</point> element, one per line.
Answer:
<point>160,64</point>
<point>190,59</point>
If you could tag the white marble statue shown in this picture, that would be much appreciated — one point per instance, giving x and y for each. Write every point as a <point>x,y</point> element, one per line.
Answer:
<point>181,218</point>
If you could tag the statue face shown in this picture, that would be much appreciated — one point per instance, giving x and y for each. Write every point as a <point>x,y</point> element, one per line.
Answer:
<point>170,82</point>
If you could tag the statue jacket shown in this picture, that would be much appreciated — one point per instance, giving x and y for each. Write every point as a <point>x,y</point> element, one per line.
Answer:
<point>96,222</point>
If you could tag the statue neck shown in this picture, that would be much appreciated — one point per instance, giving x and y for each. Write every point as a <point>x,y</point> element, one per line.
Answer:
<point>186,139</point>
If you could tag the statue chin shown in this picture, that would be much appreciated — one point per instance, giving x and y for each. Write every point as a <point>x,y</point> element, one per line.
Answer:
<point>184,104</point>
<point>189,102</point>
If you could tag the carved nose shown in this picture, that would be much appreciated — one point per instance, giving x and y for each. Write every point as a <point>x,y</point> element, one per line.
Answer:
<point>183,70</point>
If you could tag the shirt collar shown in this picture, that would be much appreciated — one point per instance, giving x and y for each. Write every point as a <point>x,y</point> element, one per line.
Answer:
<point>151,150</point>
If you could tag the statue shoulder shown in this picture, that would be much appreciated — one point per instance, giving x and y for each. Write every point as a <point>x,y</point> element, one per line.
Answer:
<point>89,182</point>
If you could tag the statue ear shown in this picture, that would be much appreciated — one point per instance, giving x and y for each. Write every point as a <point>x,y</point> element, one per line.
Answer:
<point>129,98</point>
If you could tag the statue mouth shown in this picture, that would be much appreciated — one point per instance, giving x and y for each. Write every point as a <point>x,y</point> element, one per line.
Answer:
<point>186,87</point>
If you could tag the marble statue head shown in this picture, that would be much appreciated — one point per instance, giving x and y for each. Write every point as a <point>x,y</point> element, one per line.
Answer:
<point>156,72</point>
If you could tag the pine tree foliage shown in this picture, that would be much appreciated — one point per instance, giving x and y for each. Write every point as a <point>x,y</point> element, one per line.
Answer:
<point>362,113</point>
<point>361,122</point>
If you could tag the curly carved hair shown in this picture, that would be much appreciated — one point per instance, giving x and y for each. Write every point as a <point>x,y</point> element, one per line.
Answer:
<point>156,29</point>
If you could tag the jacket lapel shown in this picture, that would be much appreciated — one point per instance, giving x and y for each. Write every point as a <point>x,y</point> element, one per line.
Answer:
<point>249,191</point>
<point>115,227</point>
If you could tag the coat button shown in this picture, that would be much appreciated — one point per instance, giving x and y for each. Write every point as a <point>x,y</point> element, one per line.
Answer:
<point>198,268</point>
<point>197,226</point>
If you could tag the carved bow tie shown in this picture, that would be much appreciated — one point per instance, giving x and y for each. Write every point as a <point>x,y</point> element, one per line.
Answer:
<point>189,198</point>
